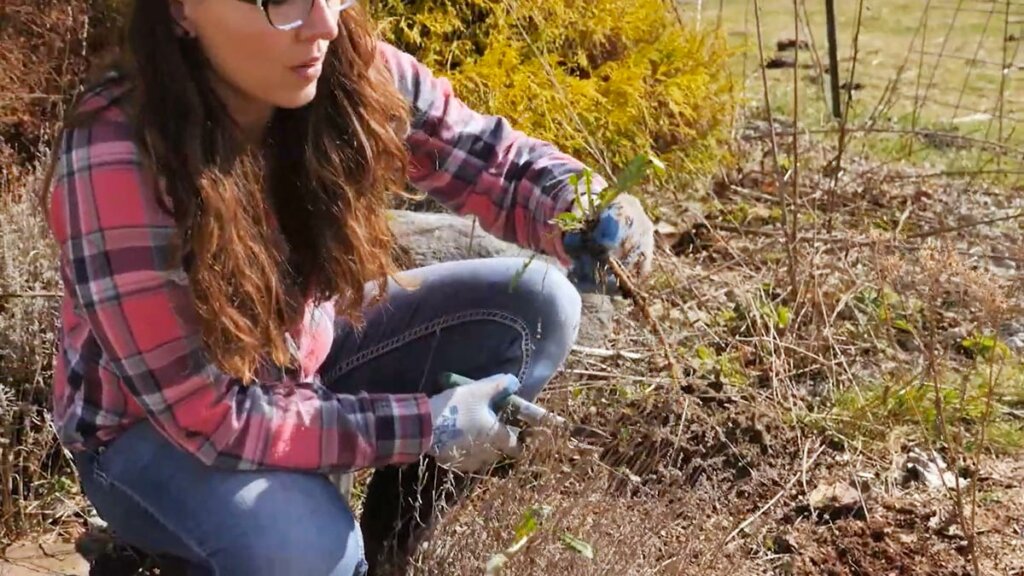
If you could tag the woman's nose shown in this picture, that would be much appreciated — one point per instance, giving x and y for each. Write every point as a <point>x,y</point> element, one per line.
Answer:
<point>322,23</point>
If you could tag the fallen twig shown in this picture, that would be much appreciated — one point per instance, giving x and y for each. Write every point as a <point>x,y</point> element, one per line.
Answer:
<point>13,295</point>
<point>615,375</point>
<point>605,353</point>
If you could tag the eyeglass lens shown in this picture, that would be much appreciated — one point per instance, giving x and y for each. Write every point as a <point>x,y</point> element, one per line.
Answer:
<point>290,14</point>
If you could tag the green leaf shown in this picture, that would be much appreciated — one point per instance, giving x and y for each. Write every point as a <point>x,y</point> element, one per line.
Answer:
<point>582,548</point>
<point>568,221</point>
<point>985,346</point>
<point>783,316</point>
<point>637,170</point>
<point>528,524</point>
<point>704,353</point>
<point>531,521</point>
<point>902,326</point>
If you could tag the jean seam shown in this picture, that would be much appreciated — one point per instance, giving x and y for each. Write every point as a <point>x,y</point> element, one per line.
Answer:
<point>438,324</point>
<point>138,501</point>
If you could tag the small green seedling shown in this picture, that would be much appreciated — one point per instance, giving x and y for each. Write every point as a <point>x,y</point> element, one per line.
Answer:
<point>527,527</point>
<point>629,178</point>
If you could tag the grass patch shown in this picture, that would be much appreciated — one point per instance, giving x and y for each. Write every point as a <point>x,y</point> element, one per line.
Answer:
<point>977,405</point>
<point>934,70</point>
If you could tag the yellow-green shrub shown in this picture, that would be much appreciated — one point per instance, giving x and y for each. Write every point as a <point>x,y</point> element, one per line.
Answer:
<point>624,75</point>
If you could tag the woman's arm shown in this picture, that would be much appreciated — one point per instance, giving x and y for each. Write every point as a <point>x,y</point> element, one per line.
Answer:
<point>478,164</point>
<point>115,246</point>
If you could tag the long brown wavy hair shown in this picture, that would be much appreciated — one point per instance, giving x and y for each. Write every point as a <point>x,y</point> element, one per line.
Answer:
<point>324,175</point>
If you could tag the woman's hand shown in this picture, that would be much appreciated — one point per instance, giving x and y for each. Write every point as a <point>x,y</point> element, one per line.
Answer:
<point>467,434</point>
<point>623,231</point>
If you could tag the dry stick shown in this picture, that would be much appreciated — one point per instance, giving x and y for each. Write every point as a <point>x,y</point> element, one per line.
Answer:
<point>679,15</point>
<point>942,49</point>
<point>972,61</point>
<point>960,138</point>
<point>786,217</point>
<point>640,300</point>
<point>960,227</point>
<point>767,99</point>
<point>955,448</point>
<point>1002,87</point>
<point>795,200</point>
<point>13,295</point>
<point>888,96</point>
<point>989,402</point>
<point>590,143</point>
<point>819,67</point>
<point>917,89</point>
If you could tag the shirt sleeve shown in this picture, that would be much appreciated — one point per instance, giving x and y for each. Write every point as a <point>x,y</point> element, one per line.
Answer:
<point>116,257</point>
<point>478,164</point>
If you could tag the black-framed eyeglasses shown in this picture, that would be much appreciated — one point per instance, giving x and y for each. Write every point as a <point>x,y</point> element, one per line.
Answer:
<point>290,14</point>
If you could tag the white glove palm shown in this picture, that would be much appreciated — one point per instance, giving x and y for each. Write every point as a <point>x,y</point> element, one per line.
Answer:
<point>467,435</point>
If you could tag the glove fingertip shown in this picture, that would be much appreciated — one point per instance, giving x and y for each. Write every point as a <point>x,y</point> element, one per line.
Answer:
<point>512,385</point>
<point>505,387</point>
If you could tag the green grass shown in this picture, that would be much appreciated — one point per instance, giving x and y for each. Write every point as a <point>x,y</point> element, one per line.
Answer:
<point>957,77</point>
<point>980,405</point>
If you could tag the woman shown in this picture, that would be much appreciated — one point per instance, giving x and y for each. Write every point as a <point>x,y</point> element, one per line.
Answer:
<point>233,327</point>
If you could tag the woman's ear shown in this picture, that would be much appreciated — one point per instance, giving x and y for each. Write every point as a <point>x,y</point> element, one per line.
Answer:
<point>182,25</point>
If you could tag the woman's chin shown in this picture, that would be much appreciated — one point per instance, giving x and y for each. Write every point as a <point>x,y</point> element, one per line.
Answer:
<point>297,99</point>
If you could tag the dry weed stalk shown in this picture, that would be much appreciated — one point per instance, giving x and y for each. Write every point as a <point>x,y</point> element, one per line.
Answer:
<point>942,281</point>
<point>641,299</point>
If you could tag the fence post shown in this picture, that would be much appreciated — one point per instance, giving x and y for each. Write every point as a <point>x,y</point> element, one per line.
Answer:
<point>833,56</point>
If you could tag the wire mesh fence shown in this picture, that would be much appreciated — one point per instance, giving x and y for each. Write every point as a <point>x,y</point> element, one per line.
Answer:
<point>933,83</point>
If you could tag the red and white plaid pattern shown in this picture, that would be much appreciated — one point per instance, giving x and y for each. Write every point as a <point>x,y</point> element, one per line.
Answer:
<point>130,347</point>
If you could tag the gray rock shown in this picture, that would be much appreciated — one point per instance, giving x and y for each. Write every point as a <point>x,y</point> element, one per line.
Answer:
<point>426,238</point>
<point>598,320</point>
<point>1012,333</point>
<point>430,238</point>
<point>836,499</point>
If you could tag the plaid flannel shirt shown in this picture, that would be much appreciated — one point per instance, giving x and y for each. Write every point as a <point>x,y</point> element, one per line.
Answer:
<point>130,347</point>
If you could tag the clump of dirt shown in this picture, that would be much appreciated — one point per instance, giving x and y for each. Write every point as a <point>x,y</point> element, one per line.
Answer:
<point>678,441</point>
<point>878,546</point>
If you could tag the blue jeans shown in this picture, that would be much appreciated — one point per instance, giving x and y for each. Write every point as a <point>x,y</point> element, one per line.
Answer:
<point>475,318</point>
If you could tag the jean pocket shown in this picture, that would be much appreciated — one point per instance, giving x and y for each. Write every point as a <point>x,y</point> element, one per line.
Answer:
<point>89,463</point>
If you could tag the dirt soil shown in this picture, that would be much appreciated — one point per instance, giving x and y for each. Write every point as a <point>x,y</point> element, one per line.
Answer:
<point>39,559</point>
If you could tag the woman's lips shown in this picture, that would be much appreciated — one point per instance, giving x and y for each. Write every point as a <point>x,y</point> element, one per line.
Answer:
<point>309,70</point>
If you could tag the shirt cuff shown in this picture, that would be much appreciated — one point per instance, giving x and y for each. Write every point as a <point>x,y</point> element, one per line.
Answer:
<point>403,427</point>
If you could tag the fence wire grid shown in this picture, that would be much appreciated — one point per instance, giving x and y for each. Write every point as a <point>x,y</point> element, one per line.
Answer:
<point>931,83</point>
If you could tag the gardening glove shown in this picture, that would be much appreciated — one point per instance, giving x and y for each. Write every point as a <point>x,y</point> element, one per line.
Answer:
<point>623,231</point>
<point>467,434</point>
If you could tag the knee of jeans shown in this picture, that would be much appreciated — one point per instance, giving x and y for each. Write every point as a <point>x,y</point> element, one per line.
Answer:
<point>555,296</point>
<point>557,301</point>
<point>300,546</point>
